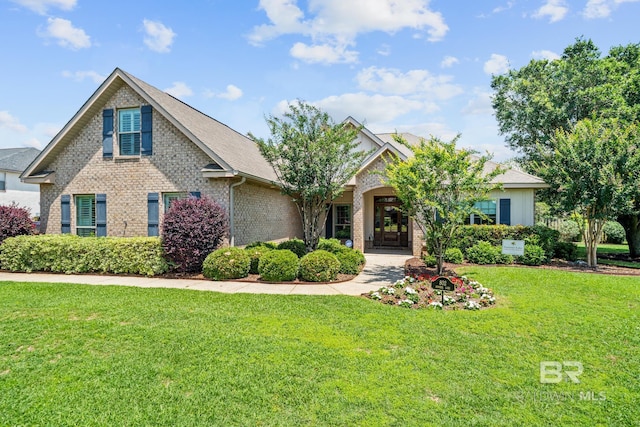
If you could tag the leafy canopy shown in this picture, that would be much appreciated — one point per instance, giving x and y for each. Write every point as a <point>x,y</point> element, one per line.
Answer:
<point>439,186</point>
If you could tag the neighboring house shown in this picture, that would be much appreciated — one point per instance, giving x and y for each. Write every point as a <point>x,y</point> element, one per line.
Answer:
<point>12,162</point>
<point>131,149</point>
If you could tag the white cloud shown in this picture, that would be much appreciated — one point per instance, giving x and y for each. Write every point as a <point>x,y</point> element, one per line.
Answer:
<point>159,38</point>
<point>332,24</point>
<point>179,90</point>
<point>371,108</point>
<point>384,50</point>
<point>232,93</point>
<point>414,83</point>
<point>7,121</point>
<point>497,64</point>
<point>545,54</point>
<point>324,53</point>
<point>602,8</point>
<point>556,10</point>
<point>66,34</point>
<point>449,61</point>
<point>480,104</point>
<point>42,6</point>
<point>81,75</point>
<point>32,142</point>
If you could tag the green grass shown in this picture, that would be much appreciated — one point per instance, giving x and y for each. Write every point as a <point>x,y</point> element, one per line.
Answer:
<point>608,248</point>
<point>89,355</point>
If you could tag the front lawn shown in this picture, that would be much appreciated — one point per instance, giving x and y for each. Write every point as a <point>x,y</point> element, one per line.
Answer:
<point>609,249</point>
<point>93,355</point>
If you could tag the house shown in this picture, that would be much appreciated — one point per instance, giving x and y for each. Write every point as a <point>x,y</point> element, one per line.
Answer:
<point>12,162</point>
<point>132,149</point>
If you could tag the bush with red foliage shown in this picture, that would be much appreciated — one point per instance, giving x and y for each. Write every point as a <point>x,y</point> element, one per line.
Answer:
<point>15,221</point>
<point>192,228</point>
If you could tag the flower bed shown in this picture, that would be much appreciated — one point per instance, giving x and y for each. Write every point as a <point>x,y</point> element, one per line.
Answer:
<point>416,292</point>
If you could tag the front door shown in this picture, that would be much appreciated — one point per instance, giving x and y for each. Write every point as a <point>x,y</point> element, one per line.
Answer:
<point>391,225</point>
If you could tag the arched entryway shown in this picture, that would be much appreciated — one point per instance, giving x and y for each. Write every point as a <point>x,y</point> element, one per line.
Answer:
<point>390,224</point>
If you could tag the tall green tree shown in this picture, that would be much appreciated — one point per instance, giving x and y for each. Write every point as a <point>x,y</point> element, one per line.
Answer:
<point>586,169</point>
<point>534,102</point>
<point>439,186</point>
<point>313,158</point>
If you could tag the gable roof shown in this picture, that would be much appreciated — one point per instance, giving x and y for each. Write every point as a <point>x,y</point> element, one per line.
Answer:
<point>231,153</point>
<point>17,159</point>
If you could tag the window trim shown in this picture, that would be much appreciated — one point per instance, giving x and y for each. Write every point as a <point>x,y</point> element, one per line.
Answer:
<point>138,132</point>
<point>338,226</point>
<point>495,215</point>
<point>79,227</point>
<point>170,196</point>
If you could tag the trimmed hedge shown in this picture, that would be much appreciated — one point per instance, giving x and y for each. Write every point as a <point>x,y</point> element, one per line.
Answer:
<point>351,261</point>
<point>485,253</point>
<point>469,235</point>
<point>226,263</point>
<point>331,245</point>
<point>279,266</point>
<point>319,266</point>
<point>294,245</point>
<point>533,255</point>
<point>72,254</point>
<point>255,253</point>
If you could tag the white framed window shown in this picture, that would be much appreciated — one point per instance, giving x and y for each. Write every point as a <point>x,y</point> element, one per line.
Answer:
<point>3,181</point>
<point>487,207</point>
<point>129,136</point>
<point>342,222</point>
<point>169,198</point>
<point>86,215</point>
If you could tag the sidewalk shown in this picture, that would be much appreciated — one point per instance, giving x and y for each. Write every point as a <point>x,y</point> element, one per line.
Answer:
<point>381,269</point>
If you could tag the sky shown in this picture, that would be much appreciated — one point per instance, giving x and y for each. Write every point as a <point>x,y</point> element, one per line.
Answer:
<point>415,66</point>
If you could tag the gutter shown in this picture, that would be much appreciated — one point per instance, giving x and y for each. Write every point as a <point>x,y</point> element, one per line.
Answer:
<point>232,232</point>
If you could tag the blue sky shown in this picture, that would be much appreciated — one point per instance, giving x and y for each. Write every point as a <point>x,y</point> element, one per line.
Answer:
<point>414,66</point>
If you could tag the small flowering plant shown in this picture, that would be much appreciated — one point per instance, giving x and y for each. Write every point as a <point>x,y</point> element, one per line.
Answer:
<point>417,292</point>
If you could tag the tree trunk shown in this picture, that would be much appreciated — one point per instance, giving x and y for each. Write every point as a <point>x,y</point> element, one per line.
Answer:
<point>631,225</point>
<point>592,236</point>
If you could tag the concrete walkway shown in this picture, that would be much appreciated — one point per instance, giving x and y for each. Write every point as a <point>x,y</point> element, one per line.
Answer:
<point>381,269</point>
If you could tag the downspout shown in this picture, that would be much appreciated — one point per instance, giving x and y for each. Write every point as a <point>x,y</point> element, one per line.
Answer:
<point>232,231</point>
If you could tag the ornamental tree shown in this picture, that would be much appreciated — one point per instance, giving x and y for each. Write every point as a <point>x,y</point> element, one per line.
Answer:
<point>313,158</point>
<point>439,186</point>
<point>593,170</point>
<point>534,102</point>
<point>15,221</point>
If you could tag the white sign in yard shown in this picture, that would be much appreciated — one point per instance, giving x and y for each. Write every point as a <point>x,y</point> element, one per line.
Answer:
<point>513,247</point>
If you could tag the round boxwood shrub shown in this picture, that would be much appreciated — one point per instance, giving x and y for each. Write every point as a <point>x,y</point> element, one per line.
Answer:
<point>569,231</point>
<point>482,253</point>
<point>279,266</point>
<point>319,266</point>
<point>192,228</point>
<point>255,253</point>
<point>454,256</point>
<point>430,260</point>
<point>533,255</point>
<point>294,245</point>
<point>351,260</point>
<point>614,232</point>
<point>331,245</point>
<point>258,243</point>
<point>226,263</point>
<point>566,250</point>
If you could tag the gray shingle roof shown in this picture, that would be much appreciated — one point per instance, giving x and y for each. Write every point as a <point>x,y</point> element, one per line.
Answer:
<point>17,159</point>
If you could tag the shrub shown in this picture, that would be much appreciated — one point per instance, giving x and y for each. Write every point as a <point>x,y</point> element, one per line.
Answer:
<point>15,221</point>
<point>454,256</point>
<point>279,266</point>
<point>319,266</point>
<point>566,250</point>
<point>255,253</point>
<point>351,260</point>
<point>569,231</point>
<point>191,230</point>
<point>485,253</point>
<point>263,244</point>
<point>72,254</point>
<point>430,260</point>
<point>331,245</point>
<point>613,232</point>
<point>533,255</point>
<point>294,245</point>
<point>226,263</point>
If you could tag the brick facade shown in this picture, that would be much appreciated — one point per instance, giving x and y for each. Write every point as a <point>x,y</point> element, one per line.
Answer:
<point>174,166</point>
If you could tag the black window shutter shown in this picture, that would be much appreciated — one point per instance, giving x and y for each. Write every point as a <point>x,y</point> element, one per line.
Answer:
<point>505,211</point>
<point>101,215</point>
<point>146,118</point>
<point>195,194</point>
<point>328,227</point>
<point>153,214</point>
<point>65,213</point>
<point>107,133</point>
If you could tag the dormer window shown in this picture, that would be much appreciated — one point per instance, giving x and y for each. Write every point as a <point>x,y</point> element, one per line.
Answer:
<point>129,136</point>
